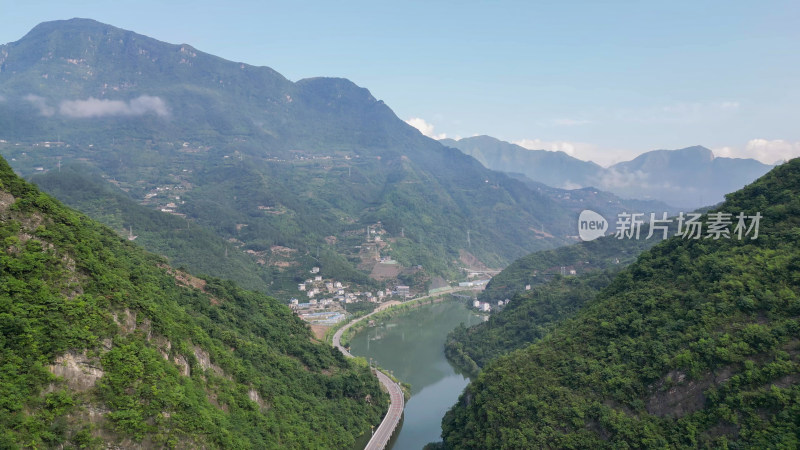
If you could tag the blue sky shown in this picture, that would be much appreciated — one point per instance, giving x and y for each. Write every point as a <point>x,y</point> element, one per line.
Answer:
<point>601,80</point>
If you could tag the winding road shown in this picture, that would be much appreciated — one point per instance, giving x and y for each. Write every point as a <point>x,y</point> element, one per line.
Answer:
<point>380,438</point>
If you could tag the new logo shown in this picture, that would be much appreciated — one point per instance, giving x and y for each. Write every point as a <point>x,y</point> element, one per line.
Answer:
<point>591,225</point>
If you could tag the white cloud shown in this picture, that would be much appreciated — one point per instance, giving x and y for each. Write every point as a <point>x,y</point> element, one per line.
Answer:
<point>94,107</point>
<point>615,179</point>
<point>425,128</point>
<point>40,103</point>
<point>765,150</point>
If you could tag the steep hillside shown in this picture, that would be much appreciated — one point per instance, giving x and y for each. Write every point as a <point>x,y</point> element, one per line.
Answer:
<point>545,288</point>
<point>581,258</point>
<point>693,345</point>
<point>258,159</point>
<point>104,345</point>
<point>184,244</point>
<point>525,318</point>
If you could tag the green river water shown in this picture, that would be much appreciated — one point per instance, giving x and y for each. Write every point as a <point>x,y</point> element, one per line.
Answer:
<point>411,345</point>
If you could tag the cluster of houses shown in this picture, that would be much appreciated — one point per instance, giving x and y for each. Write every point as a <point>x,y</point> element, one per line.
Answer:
<point>487,307</point>
<point>322,292</point>
<point>167,198</point>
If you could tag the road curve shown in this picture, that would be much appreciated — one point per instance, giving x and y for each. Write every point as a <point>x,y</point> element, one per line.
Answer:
<point>392,418</point>
<point>380,438</point>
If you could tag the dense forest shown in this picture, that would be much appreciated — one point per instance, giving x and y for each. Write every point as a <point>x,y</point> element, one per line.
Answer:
<point>693,345</point>
<point>541,296</point>
<point>103,344</point>
<point>540,267</point>
<point>184,244</point>
<point>526,318</point>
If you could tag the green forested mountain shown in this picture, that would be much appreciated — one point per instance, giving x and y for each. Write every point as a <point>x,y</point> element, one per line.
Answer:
<point>103,344</point>
<point>583,257</point>
<point>693,345</point>
<point>528,317</point>
<point>278,166</point>
<point>545,288</point>
<point>184,244</point>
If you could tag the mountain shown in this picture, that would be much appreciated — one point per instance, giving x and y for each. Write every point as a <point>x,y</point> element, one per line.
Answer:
<point>555,169</point>
<point>277,167</point>
<point>103,344</point>
<point>693,345</point>
<point>580,258</point>
<point>526,317</point>
<point>602,202</point>
<point>186,245</point>
<point>538,292</point>
<point>687,178</point>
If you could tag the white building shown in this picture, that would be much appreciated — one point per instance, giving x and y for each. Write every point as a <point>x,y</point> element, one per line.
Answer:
<point>476,304</point>
<point>485,307</point>
<point>301,286</point>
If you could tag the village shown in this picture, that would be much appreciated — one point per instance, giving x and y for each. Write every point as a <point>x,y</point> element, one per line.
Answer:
<point>327,299</point>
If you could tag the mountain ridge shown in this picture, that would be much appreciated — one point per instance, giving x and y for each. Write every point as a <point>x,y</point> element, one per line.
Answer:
<point>690,177</point>
<point>235,142</point>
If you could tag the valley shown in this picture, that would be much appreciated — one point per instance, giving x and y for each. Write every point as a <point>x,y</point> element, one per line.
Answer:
<point>203,253</point>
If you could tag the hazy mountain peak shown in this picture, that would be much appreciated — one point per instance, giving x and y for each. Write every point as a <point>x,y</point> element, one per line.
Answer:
<point>689,177</point>
<point>682,157</point>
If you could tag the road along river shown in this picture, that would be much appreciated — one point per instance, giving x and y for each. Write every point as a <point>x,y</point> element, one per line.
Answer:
<point>411,346</point>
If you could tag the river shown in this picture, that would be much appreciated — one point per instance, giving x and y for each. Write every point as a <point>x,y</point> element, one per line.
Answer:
<point>411,346</point>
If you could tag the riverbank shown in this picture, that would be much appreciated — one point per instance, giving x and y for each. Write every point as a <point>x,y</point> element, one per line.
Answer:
<point>386,313</point>
<point>397,395</point>
<point>410,343</point>
<point>394,307</point>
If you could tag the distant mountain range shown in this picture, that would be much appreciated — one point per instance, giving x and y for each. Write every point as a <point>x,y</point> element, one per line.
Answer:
<point>292,173</point>
<point>687,178</point>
